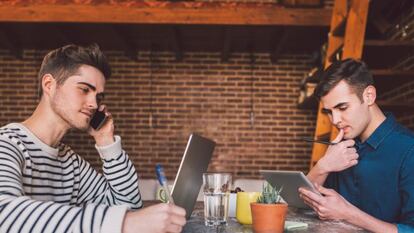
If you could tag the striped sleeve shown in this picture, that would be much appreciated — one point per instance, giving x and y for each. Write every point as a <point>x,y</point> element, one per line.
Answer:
<point>19,213</point>
<point>119,183</point>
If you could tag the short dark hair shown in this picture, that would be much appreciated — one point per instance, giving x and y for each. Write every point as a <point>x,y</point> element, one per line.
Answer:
<point>63,62</point>
<point>355,73</point>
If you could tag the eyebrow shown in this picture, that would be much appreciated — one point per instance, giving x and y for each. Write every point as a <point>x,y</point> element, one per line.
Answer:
<point>340,105</point>
<point>89,85</point>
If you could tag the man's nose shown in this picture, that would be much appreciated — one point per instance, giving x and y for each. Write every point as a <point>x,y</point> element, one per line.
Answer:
<point>336,118</point>
<point>92,102</point>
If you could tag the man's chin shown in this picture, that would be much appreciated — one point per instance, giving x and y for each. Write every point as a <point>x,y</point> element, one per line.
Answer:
<point>81,127</point>
<point>84,129</point>
<point>348,136</point>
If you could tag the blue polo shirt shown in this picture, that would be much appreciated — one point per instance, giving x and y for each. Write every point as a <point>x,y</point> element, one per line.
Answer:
<point>382,183</point>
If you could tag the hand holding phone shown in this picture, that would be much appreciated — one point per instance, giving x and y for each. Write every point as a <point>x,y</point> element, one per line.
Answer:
<point>98,120</point>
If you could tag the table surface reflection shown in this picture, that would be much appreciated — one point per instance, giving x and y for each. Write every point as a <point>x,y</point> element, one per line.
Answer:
<point>196,224</point>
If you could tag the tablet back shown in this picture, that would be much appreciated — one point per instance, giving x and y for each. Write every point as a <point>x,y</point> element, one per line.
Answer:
<point>291,182</point>
<point>189,178</point>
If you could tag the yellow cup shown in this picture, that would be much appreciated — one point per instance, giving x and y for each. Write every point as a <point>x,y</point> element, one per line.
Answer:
<point>243,212</point>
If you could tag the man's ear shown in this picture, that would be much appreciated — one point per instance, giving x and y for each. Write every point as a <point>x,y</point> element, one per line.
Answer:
<point>370,95</point>
<point>48,84</point>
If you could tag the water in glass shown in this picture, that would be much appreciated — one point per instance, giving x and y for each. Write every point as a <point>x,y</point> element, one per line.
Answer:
<point>216,208</point>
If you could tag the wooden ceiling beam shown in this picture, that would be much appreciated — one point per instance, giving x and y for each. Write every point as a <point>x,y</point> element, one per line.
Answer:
<point>160,12</point>
<point>125,38</point>
<point>381,23</point>
<point>176,45</point>
<point>64,36</point>
<point>280,44</point>
<point>9,39</point>
<point>225,53</point>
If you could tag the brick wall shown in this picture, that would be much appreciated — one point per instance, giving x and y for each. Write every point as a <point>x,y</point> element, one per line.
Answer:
<point>402,94</point>
<point>199,94</point>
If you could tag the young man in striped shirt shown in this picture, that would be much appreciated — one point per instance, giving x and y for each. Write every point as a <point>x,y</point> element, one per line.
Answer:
<point>45,186</point>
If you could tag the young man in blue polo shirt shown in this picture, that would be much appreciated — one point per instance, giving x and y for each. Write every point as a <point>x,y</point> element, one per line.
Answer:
<point>368,176</point>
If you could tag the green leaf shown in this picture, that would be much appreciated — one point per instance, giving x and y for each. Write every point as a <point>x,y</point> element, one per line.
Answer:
<point>270,195</point>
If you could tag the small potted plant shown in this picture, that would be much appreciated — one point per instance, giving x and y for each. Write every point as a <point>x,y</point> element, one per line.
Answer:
<point>269,212</point>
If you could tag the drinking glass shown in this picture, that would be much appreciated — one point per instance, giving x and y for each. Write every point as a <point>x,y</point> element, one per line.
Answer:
<point>216,189</point>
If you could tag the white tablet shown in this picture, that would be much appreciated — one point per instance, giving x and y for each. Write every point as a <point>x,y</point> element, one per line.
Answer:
<point>291,181</point>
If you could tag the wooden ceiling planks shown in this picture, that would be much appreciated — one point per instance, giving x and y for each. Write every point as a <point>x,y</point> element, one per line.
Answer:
<point>161,12</point>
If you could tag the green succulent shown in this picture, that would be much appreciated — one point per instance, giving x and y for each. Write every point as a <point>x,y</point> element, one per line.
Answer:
<point>270,195</point>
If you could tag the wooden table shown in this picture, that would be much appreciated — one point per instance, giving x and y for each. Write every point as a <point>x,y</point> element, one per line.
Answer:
<point>196,224</point>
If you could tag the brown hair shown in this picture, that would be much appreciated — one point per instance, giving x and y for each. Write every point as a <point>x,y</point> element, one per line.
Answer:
<point>63,62</point>
<point>355,73</point>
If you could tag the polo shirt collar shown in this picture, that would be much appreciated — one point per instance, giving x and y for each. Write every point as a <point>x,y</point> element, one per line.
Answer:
<point>382,131</point>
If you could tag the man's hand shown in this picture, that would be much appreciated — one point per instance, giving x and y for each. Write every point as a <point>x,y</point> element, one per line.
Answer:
<point>160,218</point>
<point>340,156</point>
<point>332,206</point>
<point>104,135</point>
<point>329,206</point>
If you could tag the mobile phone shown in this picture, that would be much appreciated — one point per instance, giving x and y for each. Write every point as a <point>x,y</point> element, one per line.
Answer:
<point>97,120</point>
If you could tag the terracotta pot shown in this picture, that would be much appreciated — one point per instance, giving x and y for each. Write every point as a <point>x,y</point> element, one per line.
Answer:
<point>268,218</point>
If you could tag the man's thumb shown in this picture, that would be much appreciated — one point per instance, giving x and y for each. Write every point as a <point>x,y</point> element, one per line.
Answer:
<point>323,190</point>
<point>339,137</point>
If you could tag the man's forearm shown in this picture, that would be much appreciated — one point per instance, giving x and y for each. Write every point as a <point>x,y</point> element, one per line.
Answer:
<point>317,175</point>
<point>368,222</point>
<point>118,186</point>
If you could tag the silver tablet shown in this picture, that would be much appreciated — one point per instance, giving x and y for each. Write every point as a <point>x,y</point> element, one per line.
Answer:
<point>291,181</point>
<point>189,179</point>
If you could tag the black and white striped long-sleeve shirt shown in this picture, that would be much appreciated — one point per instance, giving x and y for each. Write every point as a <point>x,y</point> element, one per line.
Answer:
<point>45,189</point>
